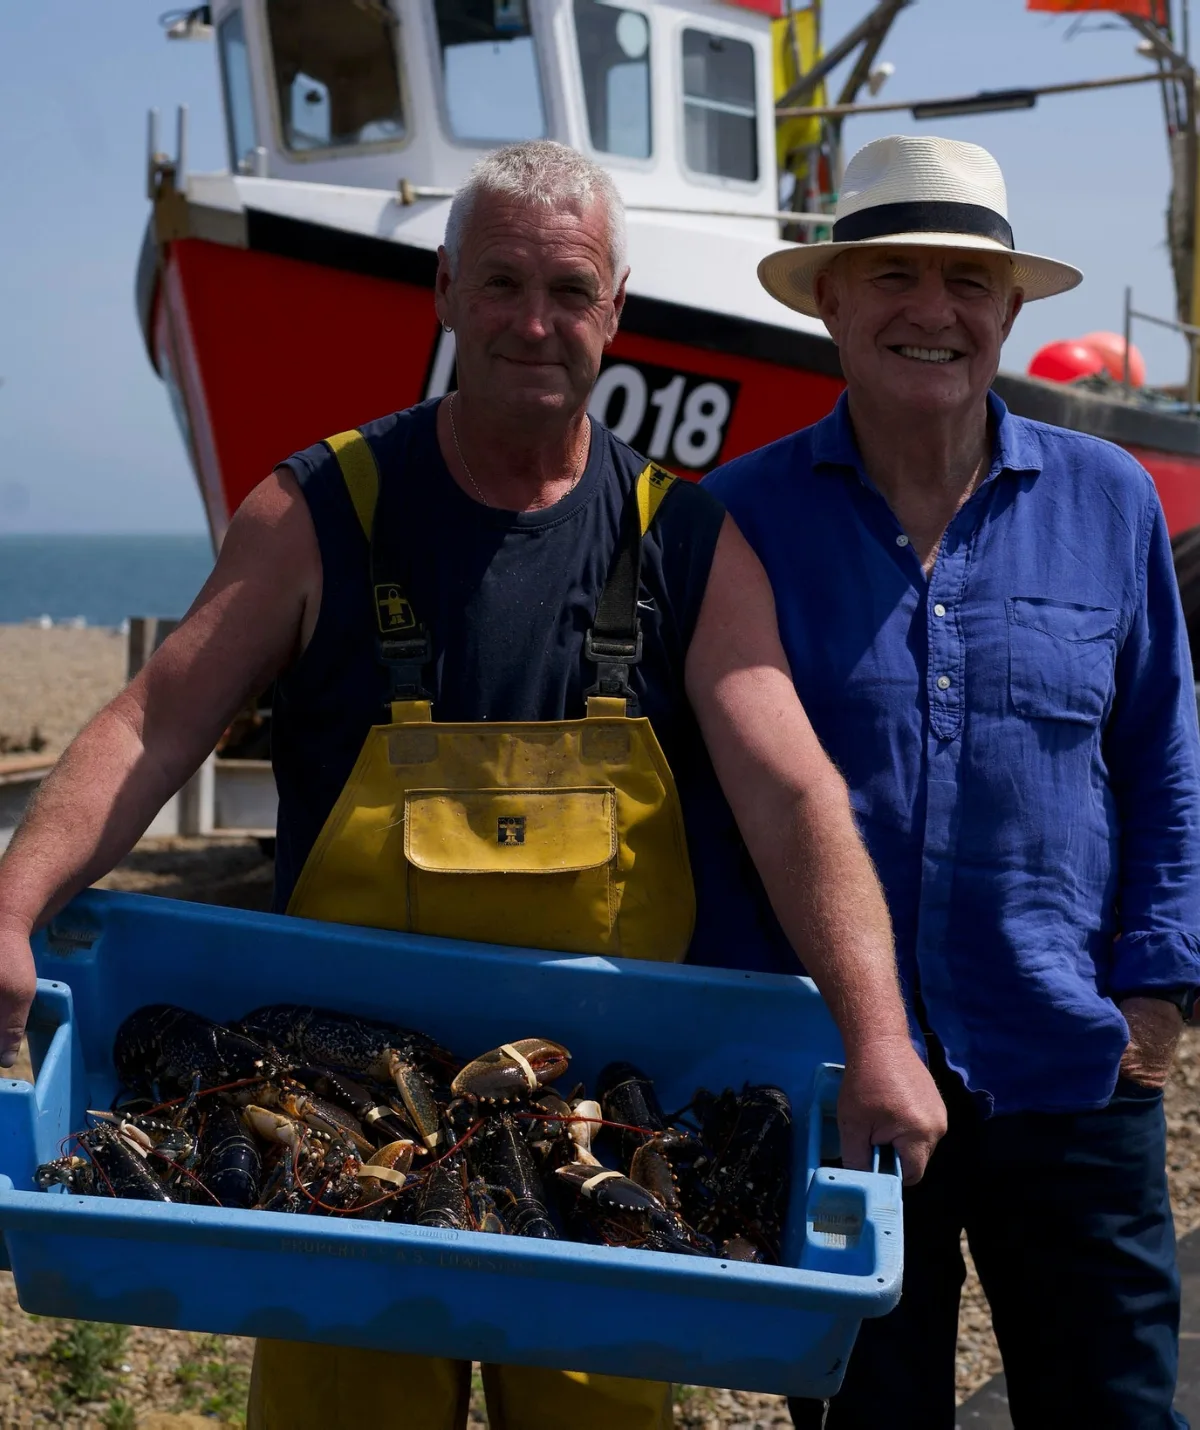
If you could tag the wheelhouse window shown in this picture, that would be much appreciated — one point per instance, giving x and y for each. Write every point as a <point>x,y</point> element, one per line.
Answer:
<point>336,72</point>
<point>614,55</point>
<point>490,70</point>
<point>720,115</point>
<point>239,97</point>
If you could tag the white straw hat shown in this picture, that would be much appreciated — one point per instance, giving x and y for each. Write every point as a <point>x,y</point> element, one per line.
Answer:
<point>930,193</point>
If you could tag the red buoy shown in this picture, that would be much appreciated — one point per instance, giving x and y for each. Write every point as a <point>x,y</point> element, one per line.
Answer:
<point>1066,361</point>
<point>1111,347</point>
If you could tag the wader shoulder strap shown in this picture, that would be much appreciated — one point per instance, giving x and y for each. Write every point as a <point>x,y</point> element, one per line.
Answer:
<point>360,472</point>
<point>614,643</point>
<point>404,644</point>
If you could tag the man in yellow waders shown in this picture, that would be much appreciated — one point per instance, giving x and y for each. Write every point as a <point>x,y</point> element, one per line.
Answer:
<point>501,638</point>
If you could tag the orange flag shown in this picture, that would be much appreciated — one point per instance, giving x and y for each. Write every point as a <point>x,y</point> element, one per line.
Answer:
<point>1145,9</point>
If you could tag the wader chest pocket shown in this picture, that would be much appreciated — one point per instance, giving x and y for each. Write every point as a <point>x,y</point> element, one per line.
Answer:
<point>509,831</point>
<point>514,866</point>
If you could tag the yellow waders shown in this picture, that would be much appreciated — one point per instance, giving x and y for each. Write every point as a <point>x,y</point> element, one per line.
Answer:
<point>562,835</point>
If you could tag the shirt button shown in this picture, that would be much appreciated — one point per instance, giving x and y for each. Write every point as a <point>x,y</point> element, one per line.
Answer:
<point>943,682</point>
<point>902,540</point>
<point>939,609</point>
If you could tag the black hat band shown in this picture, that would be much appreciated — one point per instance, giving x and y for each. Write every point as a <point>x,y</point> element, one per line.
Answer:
<point>886,220</point>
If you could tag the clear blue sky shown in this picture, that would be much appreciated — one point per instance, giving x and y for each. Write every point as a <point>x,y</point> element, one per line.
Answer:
<point>87,442</point>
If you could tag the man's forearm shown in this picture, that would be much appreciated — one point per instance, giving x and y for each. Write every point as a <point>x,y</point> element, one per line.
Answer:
<point>827,897</point>
<point>794,813</point>
<point>89,812</point>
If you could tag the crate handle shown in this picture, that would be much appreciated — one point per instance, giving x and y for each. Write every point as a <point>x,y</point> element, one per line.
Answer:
<point>49,1030</point>
<point>34,1120</point>
<point>822,1124</point>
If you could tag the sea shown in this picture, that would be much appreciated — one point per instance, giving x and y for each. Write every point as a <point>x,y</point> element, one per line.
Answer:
<point>99,580</point>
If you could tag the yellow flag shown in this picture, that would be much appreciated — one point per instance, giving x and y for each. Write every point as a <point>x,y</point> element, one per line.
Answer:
<point>794,37</point>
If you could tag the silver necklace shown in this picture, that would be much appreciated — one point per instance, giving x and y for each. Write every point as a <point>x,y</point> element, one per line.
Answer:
<point>579,461</point>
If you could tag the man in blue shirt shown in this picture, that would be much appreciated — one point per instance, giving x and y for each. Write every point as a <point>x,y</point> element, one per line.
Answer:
<point>982,622</point>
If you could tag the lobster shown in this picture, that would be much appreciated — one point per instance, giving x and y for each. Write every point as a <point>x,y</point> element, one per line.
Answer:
<point>499,1155</point>
<point>118,1153</point>
<point>377,1117</point>
<point>748,1181</point>
<point>230,1164</point>
<point>443,1198</point>
<point>647,1146</point>
<point>161,1047</point>
<point>360,1045</point>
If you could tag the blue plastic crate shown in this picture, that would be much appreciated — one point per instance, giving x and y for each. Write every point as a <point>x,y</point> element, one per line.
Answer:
<point>786,1329</point>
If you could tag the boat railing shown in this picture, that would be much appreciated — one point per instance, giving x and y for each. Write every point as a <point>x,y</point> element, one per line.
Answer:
<point>1188,331</point>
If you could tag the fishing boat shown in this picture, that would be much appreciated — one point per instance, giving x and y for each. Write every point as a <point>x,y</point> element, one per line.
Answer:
<point>291,296</point>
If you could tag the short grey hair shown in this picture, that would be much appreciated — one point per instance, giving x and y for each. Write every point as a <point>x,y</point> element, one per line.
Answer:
<point>539,171</point>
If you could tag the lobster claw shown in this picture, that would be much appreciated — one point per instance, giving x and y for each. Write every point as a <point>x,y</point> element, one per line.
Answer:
<point>512,1070</point>
<point>583,1126</point>
<point>395,1157</point>
<point>387,1166</point>
<point>419,1101</point>
<point>555,1112</point>
<point>609,1189</point>
<point>70,1172</point>
<point>485,1214</point>
<point>276,1127</point>
<point>651,1169</point>
<point>326,1118</point>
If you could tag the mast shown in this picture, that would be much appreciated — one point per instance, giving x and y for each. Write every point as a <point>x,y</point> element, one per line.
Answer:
<point>1183,213</point>
<point>810,148</point>
<point>1179,116</point>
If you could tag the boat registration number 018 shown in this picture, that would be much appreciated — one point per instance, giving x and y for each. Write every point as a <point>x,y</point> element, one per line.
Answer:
<point>669,416</point>
<point>678,418</point>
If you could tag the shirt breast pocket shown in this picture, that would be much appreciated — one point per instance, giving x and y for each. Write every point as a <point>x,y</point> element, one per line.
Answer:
<point>1061,658</point>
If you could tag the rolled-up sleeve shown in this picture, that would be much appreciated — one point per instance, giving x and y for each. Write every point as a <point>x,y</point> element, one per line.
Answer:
<point>1152,747</point>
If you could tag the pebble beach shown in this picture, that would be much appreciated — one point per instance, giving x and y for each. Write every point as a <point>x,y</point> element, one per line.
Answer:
<point>51,681</point>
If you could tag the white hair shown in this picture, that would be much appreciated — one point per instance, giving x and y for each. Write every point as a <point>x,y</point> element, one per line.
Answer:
<point>540,171</point>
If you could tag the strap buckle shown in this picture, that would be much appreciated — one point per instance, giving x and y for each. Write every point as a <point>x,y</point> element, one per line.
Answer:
<point>613,657</point>
<point>406,659</point>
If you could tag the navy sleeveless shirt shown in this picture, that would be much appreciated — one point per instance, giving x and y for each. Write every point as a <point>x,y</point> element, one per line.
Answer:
<point>508,598</point>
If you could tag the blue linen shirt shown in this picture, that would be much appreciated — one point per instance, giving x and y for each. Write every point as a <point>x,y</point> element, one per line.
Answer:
<point>1018,734</point>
